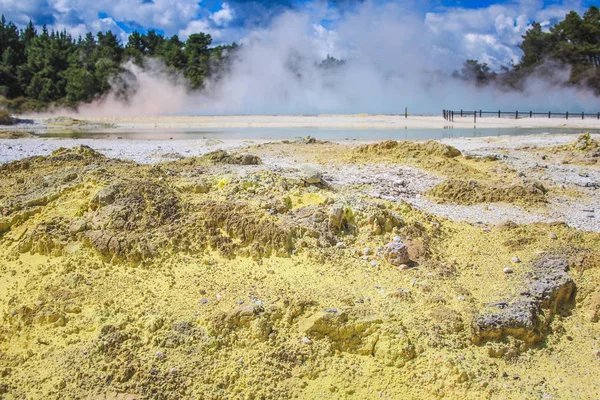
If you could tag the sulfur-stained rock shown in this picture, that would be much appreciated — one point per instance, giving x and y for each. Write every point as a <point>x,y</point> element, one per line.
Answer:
<point>240,317</point>
<point>311,174</point>
<point>528,316</point>
<point>394,347</point>
<point>346,331</point>
<point>594,308</point>
<point>198,185</point>
<point>77,226</point>
<point>48,238</point>
<point>336,215</point>
<point>396,253</point>
<point>222,157</point>
<point>133,205</point>
<point>154,323</point>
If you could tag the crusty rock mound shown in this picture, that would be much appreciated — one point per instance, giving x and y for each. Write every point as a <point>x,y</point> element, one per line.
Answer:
<point>404,148</point>
<point>469,192</point>
<point>548,290</point>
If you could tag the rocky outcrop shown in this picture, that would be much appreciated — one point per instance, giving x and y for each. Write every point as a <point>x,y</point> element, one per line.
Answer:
<point>549,289</point>
<point>396,253</point>
<point>222,157</point>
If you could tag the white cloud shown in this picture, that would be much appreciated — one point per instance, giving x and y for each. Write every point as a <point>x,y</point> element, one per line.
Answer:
<point>325,40</point>
<point>197,26</point>
<point>452,34</point>
<point>165,15</point>
<point>492,34</point>
<point>223,16</point>
<point>488,49</point>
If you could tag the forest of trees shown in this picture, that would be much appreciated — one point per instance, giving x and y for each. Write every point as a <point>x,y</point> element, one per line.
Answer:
<point>571,45</point>
<point>37,69</point>
<point>41,68</point>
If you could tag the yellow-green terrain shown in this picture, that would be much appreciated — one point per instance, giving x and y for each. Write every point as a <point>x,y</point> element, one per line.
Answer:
<point>218,277</point>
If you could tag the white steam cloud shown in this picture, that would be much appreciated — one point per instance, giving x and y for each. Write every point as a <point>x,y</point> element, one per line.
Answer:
<point>394,60</point>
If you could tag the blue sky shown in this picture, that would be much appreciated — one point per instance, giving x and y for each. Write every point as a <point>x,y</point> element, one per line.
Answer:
<point>483,29</point>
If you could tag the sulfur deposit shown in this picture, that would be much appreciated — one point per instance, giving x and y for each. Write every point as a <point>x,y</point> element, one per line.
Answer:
<point>220,277</point>
<point>585,150</point>
<point>472,192</point>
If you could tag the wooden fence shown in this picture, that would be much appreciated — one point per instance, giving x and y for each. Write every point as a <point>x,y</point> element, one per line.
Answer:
<point>450,114</point>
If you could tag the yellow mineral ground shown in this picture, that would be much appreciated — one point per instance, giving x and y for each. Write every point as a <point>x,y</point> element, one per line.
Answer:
<point>585,150</point>
<point>431,155</point>
<point>218,278</point>
<point>472,192</point>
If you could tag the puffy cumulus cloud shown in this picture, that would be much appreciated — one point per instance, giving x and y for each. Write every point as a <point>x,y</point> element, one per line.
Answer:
<point>511,29</point>
<point>120,16</point>
<point>165,15</point>
<point>492,34</point>
<point>213,24</point>
<point>223,16</point>
<point>495,53</point>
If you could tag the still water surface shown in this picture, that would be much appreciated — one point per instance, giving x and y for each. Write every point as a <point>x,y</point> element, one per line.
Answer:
<point>319,133</point>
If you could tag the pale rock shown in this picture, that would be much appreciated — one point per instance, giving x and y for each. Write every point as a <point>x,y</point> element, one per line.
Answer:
<point>396,253</point>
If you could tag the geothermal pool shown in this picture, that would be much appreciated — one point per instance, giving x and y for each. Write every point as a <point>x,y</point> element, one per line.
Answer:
<point>319,133</point>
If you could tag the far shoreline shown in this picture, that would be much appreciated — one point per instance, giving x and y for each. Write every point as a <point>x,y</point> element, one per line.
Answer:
<point>326,121</point>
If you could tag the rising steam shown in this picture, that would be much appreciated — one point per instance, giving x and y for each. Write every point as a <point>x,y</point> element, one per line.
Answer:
<point>394,61</point>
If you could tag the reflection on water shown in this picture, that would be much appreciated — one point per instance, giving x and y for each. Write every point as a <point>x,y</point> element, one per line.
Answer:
<point>319,133</point>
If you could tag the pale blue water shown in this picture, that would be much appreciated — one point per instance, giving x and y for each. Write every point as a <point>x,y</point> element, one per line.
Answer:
<point>318,133</point>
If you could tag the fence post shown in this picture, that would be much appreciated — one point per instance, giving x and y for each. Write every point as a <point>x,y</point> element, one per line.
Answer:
<point>479,113</point>
<point>475,116</point>
<point>549,114</point>
<point>499,113</point>
<point>530,114</point>
<point>452,116</point>
<point>461,112</point>
<point>582,114</point>
<point>405,112</point>
<point>567,114</point>
<point>517,114</point>
<point>599,115</point>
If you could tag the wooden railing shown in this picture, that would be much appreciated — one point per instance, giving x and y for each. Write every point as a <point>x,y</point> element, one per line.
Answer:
<point>450,114</point>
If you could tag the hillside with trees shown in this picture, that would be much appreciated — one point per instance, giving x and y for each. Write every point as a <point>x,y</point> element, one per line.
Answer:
<point>49,67</point>
<point>572,45</point>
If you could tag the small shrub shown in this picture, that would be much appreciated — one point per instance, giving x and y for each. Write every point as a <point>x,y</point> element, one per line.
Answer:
<point>22,105</point>
<point>5,118</point>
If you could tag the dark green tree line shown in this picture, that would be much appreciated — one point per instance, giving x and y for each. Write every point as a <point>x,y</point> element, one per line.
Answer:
<point>53,67</point>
